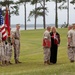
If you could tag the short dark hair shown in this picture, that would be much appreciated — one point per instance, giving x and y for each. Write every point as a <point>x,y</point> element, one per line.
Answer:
<point>48,27</point>
<point>17,24</point>
<point>73,24</point>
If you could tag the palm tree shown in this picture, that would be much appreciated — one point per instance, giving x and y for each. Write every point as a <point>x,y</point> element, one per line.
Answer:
<point>72,1</point>
<point>25,2</point>
<point>56,10</point>
<point>56,17</point>
<point>44,19</point>
<point>35,14</point>
<point>9,3</point>
<point>25,12</point>
<point>39,11</point>
<point>34,2</point>
<point>67,12</point>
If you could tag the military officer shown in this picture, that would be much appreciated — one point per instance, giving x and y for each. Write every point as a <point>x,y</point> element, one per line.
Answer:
<point>46,45</point>
<point>16,44</point>
<point>2,56</point>
<point>8,50</point>
<point>71,43</point>
<point>0,47</point>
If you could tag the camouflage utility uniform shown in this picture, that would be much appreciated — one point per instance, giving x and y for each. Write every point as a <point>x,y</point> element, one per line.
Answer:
<point>2,56</point>
<point>16,46</point>
<point>8,52</point>
<point>46,49</point>
<point>71,48</point>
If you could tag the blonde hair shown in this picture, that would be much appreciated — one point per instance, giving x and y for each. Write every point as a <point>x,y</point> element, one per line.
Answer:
<point>53,29</point>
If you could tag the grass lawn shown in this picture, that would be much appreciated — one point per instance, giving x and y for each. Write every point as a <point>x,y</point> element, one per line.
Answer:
<point>32,57</point>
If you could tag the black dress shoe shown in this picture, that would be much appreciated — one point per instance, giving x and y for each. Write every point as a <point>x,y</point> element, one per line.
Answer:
<point>72,61</point>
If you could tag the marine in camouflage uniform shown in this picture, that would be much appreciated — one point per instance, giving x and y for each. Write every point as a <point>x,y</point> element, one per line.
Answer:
<point>8,52</point>
<point>2,56</point>
<point>71,44</point>
<point>46,48</point>
<point>17,44</point>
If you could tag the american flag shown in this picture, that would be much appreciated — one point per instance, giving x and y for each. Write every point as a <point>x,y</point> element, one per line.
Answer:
<point>4,34</point>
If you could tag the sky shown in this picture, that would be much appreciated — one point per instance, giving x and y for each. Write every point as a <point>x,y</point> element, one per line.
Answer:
<point>50,17</point>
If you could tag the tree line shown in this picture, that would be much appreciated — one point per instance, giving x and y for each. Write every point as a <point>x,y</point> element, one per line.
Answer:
<point>40,10</point>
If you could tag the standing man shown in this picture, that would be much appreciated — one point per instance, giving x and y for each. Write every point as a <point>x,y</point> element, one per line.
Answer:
<point>71,43</point>
<point>8,50</point>
<point>10,46</point>
<point>16,44</point>
<point>2,56</point>
<point>47,45</point>
<point>8,53</point>
<point>0,47</point>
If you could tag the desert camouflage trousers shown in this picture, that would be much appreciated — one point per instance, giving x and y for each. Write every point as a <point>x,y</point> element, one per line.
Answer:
<point>46,54</point>
<point>17,50</point>
<point>71,53</point>
<point>8,52</point>
<point>2,55</point>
